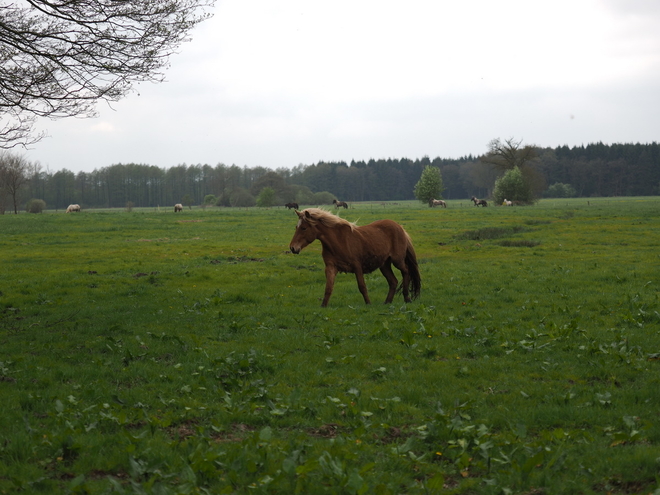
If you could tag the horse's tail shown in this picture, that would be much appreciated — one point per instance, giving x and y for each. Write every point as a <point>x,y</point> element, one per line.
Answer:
<point>413,271</point>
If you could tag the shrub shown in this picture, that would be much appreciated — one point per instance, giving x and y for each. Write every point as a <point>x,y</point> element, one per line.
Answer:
<point>323,198</point>
<point>224,198</point>
<point>241,197</point>
<point>238,196</point>
<point>210,200</point>
<point>303,195</point>
<point>35,206</point>
<point>513,187</point>
<point>266,197</point>
<point>559,190</point>
<point>187,200</point>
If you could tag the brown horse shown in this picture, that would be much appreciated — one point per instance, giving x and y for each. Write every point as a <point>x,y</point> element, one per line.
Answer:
<point>348,248</point>
<point>292,206</point>
<point>339,204</point>
<point>479,202</point>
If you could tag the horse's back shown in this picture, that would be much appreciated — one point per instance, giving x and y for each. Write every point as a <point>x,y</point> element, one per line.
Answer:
<point>385,235</point>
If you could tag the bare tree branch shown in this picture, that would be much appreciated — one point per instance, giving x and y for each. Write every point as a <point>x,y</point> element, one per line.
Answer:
<point>59,57</point>
<point>509,154</point>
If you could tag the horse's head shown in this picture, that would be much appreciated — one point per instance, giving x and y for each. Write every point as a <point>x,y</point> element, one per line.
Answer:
<point>306,232</point>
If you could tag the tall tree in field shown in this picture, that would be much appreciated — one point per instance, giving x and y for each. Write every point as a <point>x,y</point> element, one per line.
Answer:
<point>511,154</point>
<point>58,58</point>
<point>15,172</point>
<point>429,185</point>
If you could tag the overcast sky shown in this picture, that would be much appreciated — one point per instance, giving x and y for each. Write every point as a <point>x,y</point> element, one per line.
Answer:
<point>278,84</point>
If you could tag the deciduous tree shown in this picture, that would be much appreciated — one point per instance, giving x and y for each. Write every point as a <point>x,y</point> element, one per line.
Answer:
<point>429,185</point>
<point>266,197</point>
<point>511,155</point>
<point>15,172</point>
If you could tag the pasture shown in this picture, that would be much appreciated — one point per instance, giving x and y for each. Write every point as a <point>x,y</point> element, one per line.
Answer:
<point>153,352</point>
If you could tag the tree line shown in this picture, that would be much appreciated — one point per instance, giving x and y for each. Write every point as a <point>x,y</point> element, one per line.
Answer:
<point>585,171</point>
<point>592,170</point>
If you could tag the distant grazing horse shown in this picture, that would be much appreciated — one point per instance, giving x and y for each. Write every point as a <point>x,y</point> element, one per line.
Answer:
<point>339,204</point>
<point>479,202</point>
<point>178,207</point>
<point>348,248</point>
<point>72,208</point>
<point>506,202</point>
<point>437,202</point>
<point>291,205</point>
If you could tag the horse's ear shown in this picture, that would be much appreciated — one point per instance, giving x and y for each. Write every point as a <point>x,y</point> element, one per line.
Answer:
<point>299,213</point>
<point>308,214</point>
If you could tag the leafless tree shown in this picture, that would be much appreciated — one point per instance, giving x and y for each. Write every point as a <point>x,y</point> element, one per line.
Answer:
<point>15,172</point>
<point>59,57</point>
<point>509,154</point>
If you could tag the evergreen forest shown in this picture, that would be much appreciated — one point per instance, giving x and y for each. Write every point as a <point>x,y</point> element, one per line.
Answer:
<point>593,170</point>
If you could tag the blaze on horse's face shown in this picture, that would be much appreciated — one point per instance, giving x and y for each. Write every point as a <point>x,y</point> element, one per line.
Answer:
<point>305,233</point>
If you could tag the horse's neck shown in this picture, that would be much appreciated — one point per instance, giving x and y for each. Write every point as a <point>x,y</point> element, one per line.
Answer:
<point>334,239</point>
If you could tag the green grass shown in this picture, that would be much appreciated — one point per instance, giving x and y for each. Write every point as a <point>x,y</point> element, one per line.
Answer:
<point>149,352</point>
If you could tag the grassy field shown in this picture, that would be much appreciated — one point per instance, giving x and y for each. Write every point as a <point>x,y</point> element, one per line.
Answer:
<point>153,352</point>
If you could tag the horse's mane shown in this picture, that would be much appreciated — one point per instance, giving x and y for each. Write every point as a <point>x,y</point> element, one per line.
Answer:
<point>324,217</point>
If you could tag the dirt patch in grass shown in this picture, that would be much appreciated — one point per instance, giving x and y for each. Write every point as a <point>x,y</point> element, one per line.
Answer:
<point>491,233</point>
<point>537,222</point>
<point>312,268</point>
<point>616,486</point>
<point>330,430</point>
<point>238,259</point>
<point>520,243</point>
<point>142,274</point>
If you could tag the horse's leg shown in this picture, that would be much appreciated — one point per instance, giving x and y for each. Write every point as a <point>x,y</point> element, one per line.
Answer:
<point>387,272</point>
<point>330,274</point>
<point>362,286</point>
<point>401,266</point>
